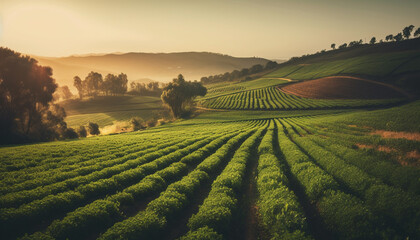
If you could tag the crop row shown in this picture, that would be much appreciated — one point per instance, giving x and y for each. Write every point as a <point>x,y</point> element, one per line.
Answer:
<point>377,164</point>
<point>278,206</point>
<point>148,224</point>
<point>344,216</point>
<point>27,214</point>
<point>218,209</point>
<point>271,99</point>
<point>398,210</point>
<point>83,220</point>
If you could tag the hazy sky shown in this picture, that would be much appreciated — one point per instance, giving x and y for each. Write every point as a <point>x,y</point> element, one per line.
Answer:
<point>265,28</point>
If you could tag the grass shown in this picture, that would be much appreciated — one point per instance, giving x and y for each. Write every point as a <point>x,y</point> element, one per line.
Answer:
<point>105,110</point>
<point>374,65</point>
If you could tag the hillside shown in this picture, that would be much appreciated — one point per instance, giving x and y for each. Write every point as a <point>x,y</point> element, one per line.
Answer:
<point>105,110</point>
<point>390,71</point>
<point>396,63</point>
<point>331,175</point>
<point>157,66</point>
<point>342,87</point>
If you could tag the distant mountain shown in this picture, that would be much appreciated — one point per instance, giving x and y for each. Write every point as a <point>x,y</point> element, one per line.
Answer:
<point>157,66</point>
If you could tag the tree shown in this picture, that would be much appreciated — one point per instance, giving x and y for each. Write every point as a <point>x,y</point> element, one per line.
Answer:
<point>26,93</point>
<point>407,31</point>
<point>268,65</point>
<point>344,45</point>
<point>81,131</point>
<point>93,83</point>
<point>333,46</point>
<point>93,128</point>
<point>398,37</point>
<point>77,83</point>
<point>389,37</point>
<point>417,32</point>
<point>180,93</point>
<point>256,68</point>
<point>63,93</point>
<point>372,40</point>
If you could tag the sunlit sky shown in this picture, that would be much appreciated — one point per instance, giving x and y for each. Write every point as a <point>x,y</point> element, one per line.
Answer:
<point>276,29</point>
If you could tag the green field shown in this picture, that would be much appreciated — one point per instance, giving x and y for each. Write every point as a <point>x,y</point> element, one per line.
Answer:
<point>377,65</point>
<point>221,89</point>
<point>201,178</point>
<point>253,163</point>
<point>106,110</point>
<point>262,94</point>
<point>272,99</point>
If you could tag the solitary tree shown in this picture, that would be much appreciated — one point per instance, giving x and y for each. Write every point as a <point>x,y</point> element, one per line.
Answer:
<point>417,32</point>
<point>389,37</point>
<point>407,31</point>
<point>333,46</point>
<point>180,93</point>
<point>373,40</point>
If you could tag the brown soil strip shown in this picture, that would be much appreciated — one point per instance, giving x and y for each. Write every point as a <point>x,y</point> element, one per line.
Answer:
<point>378,148</point>
<point>405,159</point>
<point>414,136</point>
<point>343,87</point>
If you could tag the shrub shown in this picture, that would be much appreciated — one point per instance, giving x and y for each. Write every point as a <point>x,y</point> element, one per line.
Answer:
<point>81,131</point>
<point>70,133</point>
<point>93,129</point>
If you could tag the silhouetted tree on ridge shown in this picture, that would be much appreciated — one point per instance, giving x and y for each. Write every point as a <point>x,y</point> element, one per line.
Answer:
<point>407,31</point>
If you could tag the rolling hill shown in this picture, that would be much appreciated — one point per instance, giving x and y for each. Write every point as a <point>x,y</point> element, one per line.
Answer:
<point>157,66</point>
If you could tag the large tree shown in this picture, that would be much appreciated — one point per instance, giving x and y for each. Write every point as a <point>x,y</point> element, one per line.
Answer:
<point>407,31</point>
<point>93,83</point>
<point>26,92</point>
<point>180,93</point>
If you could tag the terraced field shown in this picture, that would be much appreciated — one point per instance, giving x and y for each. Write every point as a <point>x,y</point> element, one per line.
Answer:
<point>291,177</point>
<point>264,94</point>
<point>272,98</point>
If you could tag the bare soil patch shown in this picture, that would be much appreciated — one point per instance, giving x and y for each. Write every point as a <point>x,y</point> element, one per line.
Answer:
<point>378,148</point>
<point>343,87</point>
<point>411,158</point>
<point>414,136</point>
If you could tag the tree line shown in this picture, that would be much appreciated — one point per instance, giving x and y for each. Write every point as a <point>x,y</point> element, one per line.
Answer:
<point>94,84</point>
<point>146,89</point>
<point>405,34</point>
<point>237,74</point>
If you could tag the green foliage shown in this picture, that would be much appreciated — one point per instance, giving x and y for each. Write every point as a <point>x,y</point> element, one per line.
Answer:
<point>148,184</point>
<point>180,93</point>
